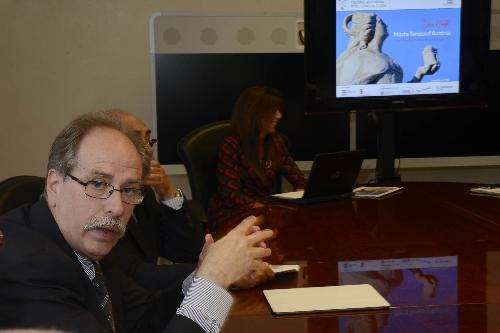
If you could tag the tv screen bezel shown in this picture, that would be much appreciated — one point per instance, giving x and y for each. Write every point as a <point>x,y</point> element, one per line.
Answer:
<point>319,17</point>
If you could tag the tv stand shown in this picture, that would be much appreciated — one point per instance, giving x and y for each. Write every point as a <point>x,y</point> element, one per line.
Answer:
<point>384,171</point>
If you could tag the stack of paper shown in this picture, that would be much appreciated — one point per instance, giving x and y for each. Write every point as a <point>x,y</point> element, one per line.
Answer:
<point>290,195</point>
<point>277,269</point>
<point>313,299</point>
<point>374,192</point>
<point>488,190</point>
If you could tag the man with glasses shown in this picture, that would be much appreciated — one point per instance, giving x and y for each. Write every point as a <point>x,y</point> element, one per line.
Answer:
<point>55,269</point>
<point>161,226</point>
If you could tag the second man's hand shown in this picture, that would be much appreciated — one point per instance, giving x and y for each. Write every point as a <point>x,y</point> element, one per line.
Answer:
<point>159,181</point>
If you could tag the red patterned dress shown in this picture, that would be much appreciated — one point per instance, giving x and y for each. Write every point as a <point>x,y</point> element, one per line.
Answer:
<point>239,188</point>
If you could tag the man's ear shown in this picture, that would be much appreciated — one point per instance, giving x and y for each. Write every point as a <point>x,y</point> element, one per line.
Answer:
<point>54,182</point>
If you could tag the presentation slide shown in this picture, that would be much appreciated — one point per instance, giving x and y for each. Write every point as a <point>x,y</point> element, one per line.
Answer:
<point>397,47</point>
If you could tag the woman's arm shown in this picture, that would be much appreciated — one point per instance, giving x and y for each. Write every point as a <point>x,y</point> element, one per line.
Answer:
<point>291,171</point>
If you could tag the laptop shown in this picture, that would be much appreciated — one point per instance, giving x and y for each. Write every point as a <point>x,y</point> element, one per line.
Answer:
<point>333,176</point>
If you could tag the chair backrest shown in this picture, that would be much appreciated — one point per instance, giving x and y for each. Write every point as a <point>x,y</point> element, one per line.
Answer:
<point>198,151</point>
<point>18,190</point>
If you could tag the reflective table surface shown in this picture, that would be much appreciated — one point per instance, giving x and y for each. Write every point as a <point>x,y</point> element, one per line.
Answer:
<point>432,250</point>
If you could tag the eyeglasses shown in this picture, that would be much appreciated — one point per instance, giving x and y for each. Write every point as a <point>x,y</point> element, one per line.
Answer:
<point>152,142</point>
<point>101,190</point>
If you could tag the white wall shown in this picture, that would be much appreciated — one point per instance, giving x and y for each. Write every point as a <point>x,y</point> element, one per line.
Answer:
<point>61,58</point>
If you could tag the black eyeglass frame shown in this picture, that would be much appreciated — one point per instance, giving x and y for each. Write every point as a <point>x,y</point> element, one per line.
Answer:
<point>152,142</point>
<point>111,189</point>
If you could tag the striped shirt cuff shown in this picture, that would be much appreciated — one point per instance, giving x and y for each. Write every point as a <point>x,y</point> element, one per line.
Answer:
<point>174,203</point>
<point>206,304</point>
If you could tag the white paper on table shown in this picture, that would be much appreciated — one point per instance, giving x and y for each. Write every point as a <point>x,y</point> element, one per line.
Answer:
<point>285,268</point>
<point>314,299</point>
<point>290,195</point>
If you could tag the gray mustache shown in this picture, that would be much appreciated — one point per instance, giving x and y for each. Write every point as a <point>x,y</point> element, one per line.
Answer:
<point>106,222</point>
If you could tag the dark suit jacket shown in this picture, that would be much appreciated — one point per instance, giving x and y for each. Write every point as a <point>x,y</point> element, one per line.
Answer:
<point>157,230</point>
<point>42,284</point>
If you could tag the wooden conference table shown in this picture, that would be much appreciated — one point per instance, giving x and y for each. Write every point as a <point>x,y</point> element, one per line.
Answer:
<point>432,250</point>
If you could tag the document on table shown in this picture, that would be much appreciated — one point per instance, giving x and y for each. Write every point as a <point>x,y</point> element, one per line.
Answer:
<point>290,195</point>
<point>315,299</point>
<point>285,268</point>
<point>374,191</point>
<point>488,190</point>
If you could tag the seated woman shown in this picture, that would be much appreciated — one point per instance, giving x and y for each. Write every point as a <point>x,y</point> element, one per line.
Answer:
<point>252,160</point>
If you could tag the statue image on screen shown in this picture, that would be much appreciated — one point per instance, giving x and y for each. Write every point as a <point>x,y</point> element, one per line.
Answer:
<point>364,62</point>
<point>407,284</point>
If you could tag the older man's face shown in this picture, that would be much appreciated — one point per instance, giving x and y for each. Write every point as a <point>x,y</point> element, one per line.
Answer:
<point>141,129</point>
<point>105,155</point>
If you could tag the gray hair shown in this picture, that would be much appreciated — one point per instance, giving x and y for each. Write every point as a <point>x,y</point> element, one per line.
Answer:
<point>62,156</point>
<point>115,114</point>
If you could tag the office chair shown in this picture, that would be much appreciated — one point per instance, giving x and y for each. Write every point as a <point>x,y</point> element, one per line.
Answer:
<point>18,190</point>
<point>198,151</point>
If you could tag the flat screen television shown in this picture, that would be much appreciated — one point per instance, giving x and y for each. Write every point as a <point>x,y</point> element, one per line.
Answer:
<point>396,54</point>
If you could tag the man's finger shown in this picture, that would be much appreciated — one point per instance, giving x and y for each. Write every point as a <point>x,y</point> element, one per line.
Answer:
<point>245,225</point>
<point>254,228</point>
<point>257,266</point>
<point>260,236</point>
<point>152,182</point>
<point>209,240</point>
<point>259,252</point>
<point>260,220</point>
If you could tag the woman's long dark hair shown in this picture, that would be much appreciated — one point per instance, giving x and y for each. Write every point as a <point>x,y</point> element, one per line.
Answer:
<point>255,106</point>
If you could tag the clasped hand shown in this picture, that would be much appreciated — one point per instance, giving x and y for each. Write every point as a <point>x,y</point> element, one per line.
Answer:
<point>235,256</point>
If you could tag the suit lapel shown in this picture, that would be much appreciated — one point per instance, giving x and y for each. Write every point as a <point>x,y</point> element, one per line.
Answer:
<point>142,234</point>
<point>42,221</point>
